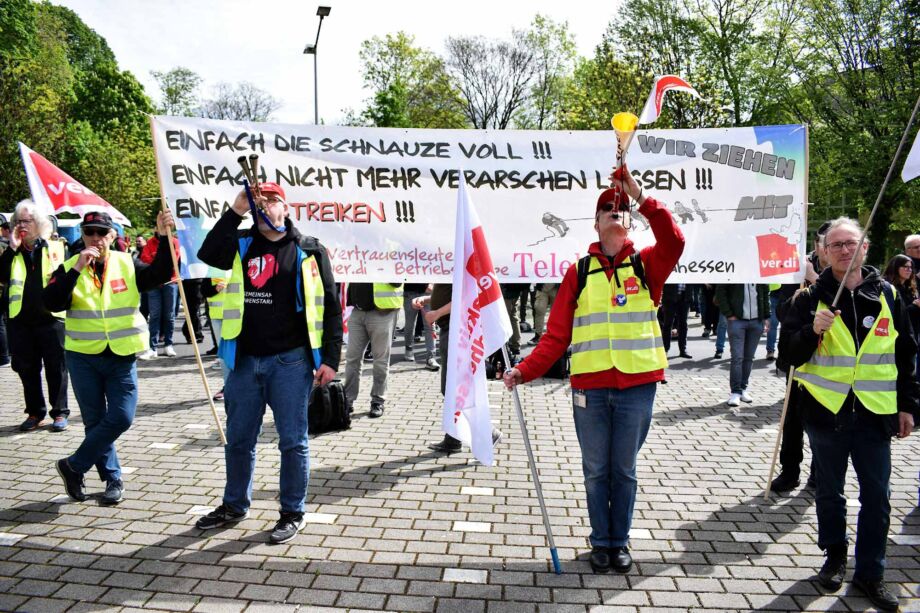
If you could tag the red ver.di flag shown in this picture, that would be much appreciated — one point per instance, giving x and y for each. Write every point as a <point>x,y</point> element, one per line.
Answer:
<point>58,192</point>
<point>479,326</point>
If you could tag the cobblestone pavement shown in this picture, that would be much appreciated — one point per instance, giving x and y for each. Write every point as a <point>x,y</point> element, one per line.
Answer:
<point>393,526</point>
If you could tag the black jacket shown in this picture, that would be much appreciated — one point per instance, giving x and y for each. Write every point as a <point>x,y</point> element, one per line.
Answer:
<point>221,244</point>
<point>798,342</point>
<point>730,298</point>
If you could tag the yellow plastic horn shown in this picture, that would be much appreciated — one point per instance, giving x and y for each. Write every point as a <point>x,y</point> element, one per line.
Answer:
<point>624,124</point>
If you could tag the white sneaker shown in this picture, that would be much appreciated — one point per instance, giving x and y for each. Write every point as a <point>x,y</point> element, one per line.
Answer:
<point>170,351</point>
<point>149,354</point>
<point>745,397</point>
<point>733,400</point>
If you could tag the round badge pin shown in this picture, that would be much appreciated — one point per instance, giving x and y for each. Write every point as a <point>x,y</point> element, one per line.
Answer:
<point>621,299</point>
<point>868,320</point>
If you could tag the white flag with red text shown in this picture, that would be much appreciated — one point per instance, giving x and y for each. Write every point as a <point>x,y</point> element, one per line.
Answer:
<point>479,326</point>
<point>911,168</point>
<point>56,191</point>
<point>662,85</point>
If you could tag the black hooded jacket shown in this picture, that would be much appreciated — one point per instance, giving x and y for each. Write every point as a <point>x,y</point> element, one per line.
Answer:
<point>798,342</point>
<point>276,326</point>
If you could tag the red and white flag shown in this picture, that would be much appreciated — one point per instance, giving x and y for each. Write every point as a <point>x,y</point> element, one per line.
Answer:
<point>479,326</point>
<point>660,87</point>
<point>911,168</point>
<point>57,192</point>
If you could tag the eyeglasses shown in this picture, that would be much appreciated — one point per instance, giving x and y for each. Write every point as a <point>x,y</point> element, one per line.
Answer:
<point>839,245</point>
<point>907,266</point>
<point>93,231</point>
<point>23,222</point>
<point>912,247</point>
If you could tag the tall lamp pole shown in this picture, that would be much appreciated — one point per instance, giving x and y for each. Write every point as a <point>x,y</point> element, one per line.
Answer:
<point>321,11</point>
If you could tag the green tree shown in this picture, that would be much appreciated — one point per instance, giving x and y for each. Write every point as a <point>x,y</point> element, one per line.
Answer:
<point>410,86</point>
<point>858,81</point>
<point>17,27</point>
<point>178,91</point>
<point>554,49</point>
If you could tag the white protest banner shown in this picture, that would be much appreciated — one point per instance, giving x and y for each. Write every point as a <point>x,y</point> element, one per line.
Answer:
<point>383,200</point>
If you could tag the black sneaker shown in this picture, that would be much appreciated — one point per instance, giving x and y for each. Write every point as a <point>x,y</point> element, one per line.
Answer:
<point>835,568</point>
<point>287,527</point>
<point>878,594</point>
<point>376,409</point>
<point>718,355</point>
<point>114,493</point>
<point>220,516</point>
<point>447,445</point>
<point>620,560</point>
<point>784,482</point>
<point>73,481</point>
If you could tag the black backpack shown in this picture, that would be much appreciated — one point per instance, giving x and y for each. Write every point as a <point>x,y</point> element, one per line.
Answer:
<point>327,410</point>
<point>584,264</point>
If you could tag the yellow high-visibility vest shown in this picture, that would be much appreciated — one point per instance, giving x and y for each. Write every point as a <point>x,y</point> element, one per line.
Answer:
<point>388,296</point>
<point>109,316</point>
<point>313,293</point>
<point>216,302</point>
<point>836,367</point>
<point>52,257</point>
<point>616,325</point>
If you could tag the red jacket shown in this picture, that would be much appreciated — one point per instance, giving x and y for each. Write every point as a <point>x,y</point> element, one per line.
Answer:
<point>150,252</point>
<point>657,260</point>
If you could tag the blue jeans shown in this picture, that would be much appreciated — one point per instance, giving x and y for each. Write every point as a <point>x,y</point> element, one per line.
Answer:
<point>409,326</point>
<point>743,337</point>
<point>162,302</point>
<point>611,429</point>
<point>871,452</point>
<point>283,381</point>
<point>721,330</point>
<point>774,324</point>
<point>106,390</point>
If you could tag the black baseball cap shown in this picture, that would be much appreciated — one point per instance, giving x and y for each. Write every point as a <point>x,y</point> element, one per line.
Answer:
<point>97,219</point>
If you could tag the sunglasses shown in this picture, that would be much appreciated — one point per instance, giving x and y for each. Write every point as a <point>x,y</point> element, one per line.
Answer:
<point>92,231</point>
<point>607,207</point>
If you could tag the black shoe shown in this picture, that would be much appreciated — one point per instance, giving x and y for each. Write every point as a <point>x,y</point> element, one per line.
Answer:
<point>811,481</point>
<point>706,333</point>
<point>73,481</point>
<point>376,409</point>
<point>447,445</point>
<point>31,423</point>
<point>620,560</point>
<point>835,568</point>
<point>878,594</point>
<point>684,354</point>
<point>718,355</point>
<point>211,351</point>
<point>114,493</point>
<point>287,527</point>
<point>784,482</point>
<point>220,516</point>
<point>600,560</point>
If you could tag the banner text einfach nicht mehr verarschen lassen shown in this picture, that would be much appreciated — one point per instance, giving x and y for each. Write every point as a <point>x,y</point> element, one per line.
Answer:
<point>383,200</point>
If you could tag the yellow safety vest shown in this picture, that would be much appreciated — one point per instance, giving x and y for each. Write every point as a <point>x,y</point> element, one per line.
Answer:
<point>216,302</point>
<point>52,257</point>
<point>388,296</point>
<point>836,367</point>
<point>616,325</point>
<point>109,316</point>
<point>313,292</point>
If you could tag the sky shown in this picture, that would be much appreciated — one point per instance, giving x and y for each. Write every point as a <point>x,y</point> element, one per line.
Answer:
<point>263,42</point>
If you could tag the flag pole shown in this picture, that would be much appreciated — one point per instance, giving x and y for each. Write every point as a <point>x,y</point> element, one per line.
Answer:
<point>557,567</point>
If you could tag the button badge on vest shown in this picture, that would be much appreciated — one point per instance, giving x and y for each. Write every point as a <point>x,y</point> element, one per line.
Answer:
<point>619,300</point>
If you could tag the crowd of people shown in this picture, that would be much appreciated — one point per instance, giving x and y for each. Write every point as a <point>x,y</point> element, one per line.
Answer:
<point>847,339</point>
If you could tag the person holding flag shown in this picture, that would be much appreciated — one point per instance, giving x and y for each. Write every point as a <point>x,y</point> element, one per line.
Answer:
<point>606,309</point>
<point>100,290</point>
<point>36,334</point>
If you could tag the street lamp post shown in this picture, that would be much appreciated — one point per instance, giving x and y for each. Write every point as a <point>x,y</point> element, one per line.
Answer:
<point>321,11</point>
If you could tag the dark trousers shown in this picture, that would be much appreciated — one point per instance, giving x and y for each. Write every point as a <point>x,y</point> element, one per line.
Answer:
<point>870,450</point>
<point>710,310</point>
<point>790,451</point>
<point>192,289</point>
<point>674,315</point>
<point>4,343</point>
<point>32,347</point>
